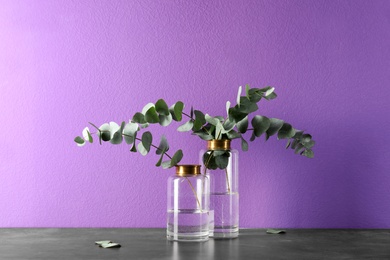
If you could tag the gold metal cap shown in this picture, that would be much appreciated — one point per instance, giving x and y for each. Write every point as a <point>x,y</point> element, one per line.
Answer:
<point>187,169</point>
<point>223,144</point>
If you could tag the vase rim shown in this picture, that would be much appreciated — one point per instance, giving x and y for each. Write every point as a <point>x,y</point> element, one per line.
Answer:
<point>187,169</point>
<point>223,144</point>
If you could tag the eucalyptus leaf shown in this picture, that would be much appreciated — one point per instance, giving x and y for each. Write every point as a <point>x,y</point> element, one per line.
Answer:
<point>287,131</point>
<point>254,95</point>
<point>117,138</point>
<point>129,132</point>
<point>275,125</point>
<point>244,145</point>
<point>176,158</point>
<point>163,146</point>
<point>247,106</point>
<point>115,133</point>
<point>308,153</point>
<point>209,160</point>
<point>114,127</point>
<point>147,107</point>
<point>288,143</point>
<point>239,96</point>
<point>104,132</point>
<point>269,91</point>
<point>271,96</point>
<point>253,137</point>
<point>151,116</point>
<point>309,144</point>
<point>102,242</point>
<point>166,164</point>
<point>222,160</point>
<point>176,111</point>
<point>235,115</point>
<point>227,126</point>
<point>165,120</point>
<point>275,231</point>
<point>80,141</point>
<point>227,107</point>
<point>110,245</point>
<point>139,118</point>
<point>242,125</point>
<point>90,139</point>
<point>203,135</point>
<point>305,138</point>
<point>199,120</point>
<point>233,134</point>
<point>247,88</point>
<point>294,143</point>
<point>141,149</point>
<point>260,124</point>
<point>147,140</point>
<point>186,127</point>
<point>162,107</point>
<point>158,164</point>
<point>86,134</point>
<point>298,148</point>
<point>133,148</point>
<point>212,120</point>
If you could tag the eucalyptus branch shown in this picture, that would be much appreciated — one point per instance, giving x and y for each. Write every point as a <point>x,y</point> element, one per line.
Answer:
<point>207,127</point>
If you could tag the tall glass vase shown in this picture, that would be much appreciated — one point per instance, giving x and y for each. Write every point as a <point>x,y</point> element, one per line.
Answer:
<point>220,164</point>
<point>188,205</point>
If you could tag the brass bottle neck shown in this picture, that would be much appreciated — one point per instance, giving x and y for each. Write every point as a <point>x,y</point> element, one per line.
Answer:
<point>187,169</point>
<point>223,144</point>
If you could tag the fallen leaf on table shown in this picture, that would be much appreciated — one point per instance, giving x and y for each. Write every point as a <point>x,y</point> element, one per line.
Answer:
<point>275,231</point>
<point>107,244</point>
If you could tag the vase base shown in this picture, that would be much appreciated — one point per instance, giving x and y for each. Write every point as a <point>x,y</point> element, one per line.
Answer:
<point>224,233</point>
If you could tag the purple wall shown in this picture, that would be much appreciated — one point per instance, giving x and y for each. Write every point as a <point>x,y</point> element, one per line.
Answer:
<point>64,63</point>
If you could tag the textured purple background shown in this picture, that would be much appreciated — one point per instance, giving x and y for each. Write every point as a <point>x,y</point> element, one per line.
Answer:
<point>64,63</point>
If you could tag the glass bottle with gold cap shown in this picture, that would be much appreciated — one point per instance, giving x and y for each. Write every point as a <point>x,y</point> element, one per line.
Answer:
<point>188,205</point>
<point>220,164</point>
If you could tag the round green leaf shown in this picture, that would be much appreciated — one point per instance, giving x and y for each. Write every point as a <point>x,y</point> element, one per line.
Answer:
<point>209,161</point>
<point>139,118</point>
<point>162,107</point>
<point>176,158</point>
<point>79,140</point>
<point>141,149</point>
<point>287,131</point>
<point>235,115</point>
<point>242,125</point>
<point>147,140</point>
<point>186,127</point>
<point>275,125</point>
<point>176,111</point>
<point>222,160</point>
<point>151,116</point>
<point>212,120</point>
<point>129,132</point>
<point>246,106</point>
<point>260,125</point>
<point>104,132</point>
<point>165,120</point>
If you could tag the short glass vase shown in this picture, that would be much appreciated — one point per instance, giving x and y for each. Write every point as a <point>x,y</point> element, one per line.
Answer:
<point>188,205</point>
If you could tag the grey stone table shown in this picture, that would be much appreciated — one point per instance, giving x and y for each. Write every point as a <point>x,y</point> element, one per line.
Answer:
<point>152,244</point>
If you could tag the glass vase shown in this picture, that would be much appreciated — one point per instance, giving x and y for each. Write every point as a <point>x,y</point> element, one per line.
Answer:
<point>220,164</point>
<point>188,205</point>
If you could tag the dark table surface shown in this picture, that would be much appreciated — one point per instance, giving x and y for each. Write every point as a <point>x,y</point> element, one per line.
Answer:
<point>151,244</point>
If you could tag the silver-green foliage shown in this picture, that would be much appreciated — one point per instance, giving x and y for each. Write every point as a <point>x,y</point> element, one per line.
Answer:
<point>235,125</point>
<point>129,131</point>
